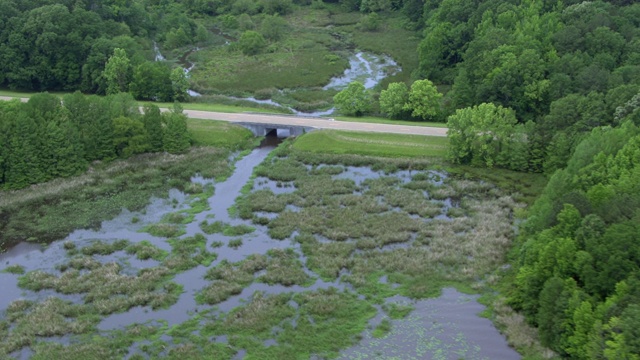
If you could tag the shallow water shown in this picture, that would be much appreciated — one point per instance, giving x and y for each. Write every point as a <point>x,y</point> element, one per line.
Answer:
<point>447,327</point>
<point>368,68</point>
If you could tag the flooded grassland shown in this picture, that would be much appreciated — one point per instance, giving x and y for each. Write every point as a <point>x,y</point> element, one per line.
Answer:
<point>294,256</point>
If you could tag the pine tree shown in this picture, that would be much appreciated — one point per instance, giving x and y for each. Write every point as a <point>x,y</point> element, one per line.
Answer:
<point>63,151</point>
<point>23,162</point>
<point>176,135</point>
<point>100,131</point>
<point>152,120</point>
<point>129,136</point>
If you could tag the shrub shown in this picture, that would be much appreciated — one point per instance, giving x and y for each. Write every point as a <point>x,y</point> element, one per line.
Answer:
<point>251,42</point>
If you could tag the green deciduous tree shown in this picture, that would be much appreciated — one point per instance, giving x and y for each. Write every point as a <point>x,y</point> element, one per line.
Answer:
<point>424,100</point>
<point>393,99</point>
<point>129,136</point>
<point>251,42</point>
<point>354,100</point>
<point>180,84</point>
<point>117,72</point>
<point>479,134</point>
<point>274,27</point>
<point>152,81</point>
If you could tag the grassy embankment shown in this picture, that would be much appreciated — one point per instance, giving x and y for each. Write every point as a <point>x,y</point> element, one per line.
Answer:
<point>381,120</point>
<point>372,144</point>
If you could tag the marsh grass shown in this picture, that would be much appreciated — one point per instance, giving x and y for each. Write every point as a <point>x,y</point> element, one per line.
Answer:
<point>284,268</point>
<point>382,330</point>
<point>321,323</point>
<point>347,231</point>
<point>237,230</point>
<point>104,247</point>
<point>392,39</point>
<point>218,227</point>
<point>326,259</point>
<point>164,230</point>
<point>212,228</point>
<point>51,317</point>
<point>145,250</point>
<point>388,226</point>
<point>229,279</point>
<point>189,252</point>
<point>106,289</point>
<point>397,311</point>
<point>14,269</point>
<point>63,205</point>
<point>262,200</point>
<point>235,243</point>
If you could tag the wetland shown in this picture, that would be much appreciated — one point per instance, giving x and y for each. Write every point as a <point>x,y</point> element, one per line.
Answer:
<point>291,254</point>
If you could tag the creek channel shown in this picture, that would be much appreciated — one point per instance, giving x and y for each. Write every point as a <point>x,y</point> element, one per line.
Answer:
<point>368,68</point>
<point>447,327</point>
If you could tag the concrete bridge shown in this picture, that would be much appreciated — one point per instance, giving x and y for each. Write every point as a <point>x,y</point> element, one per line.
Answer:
<point>279,130</point>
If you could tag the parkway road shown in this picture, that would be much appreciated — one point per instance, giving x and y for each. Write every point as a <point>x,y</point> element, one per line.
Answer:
<point>313,122</point>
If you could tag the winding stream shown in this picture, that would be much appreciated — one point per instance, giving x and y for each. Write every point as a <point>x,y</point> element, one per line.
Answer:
<point>368,68</point>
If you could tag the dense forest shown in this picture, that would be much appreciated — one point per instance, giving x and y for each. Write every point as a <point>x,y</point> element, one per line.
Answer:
<point>532,86</point>
<point>45,138</point>
<point>554,87</point>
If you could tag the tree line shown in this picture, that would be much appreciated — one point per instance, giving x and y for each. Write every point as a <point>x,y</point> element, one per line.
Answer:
<point>578,262</point>
<point>47,137</point>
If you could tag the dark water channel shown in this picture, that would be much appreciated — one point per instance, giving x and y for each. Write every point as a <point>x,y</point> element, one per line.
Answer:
<point>444,328</point>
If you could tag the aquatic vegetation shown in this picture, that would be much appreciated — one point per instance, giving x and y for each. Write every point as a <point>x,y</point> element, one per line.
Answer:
<point>235,243</point>
<point>164,230</point>
<point>284,268</point>
<point>189,252</point>
<point>382,329</point>
<point>212,228</point>
<point>357,230</point>
<point>51,317</point>
<point>106,288</point>
<point>146,250</point>
<point>397,311</point>
<point>104,248</point>
<point>84,201</point>
<point>14,269</point>
<point>217,227</point>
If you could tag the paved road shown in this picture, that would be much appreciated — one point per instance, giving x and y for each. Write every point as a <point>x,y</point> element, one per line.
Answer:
<point>318,123</point>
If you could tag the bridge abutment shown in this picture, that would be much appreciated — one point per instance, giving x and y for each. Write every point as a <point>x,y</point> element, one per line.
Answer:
<point>259,129</point>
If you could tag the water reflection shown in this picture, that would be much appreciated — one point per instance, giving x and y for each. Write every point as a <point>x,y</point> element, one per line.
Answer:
<point>447,327</point>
